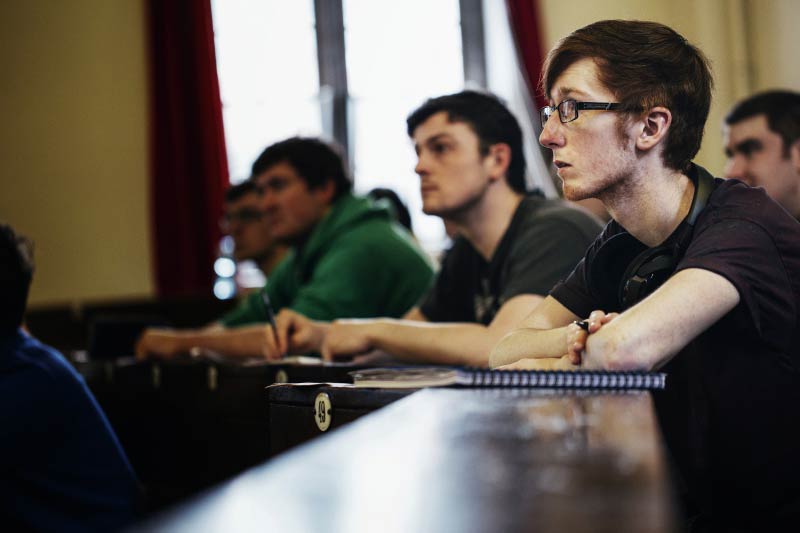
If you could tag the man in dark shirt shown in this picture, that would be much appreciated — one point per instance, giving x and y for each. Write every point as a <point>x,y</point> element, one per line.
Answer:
<point>511,248</point>
<point>762,143</point>
<point>695,275</point>
<point>61,466</point>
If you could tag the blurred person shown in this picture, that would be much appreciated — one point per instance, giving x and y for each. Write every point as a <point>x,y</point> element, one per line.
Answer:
<point>762,143</point>
<point>61,465</point>
<point>244,221</point>
<point>347,256</point>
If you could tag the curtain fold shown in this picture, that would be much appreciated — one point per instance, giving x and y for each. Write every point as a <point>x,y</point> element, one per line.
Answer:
<point>189,167</point>
<point>525,24</point>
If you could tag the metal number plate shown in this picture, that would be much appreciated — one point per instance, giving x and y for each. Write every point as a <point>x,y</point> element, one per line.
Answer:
<point>323,411</point>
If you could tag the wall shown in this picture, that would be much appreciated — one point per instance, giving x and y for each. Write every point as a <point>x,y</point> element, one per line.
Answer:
<point>73,142</point>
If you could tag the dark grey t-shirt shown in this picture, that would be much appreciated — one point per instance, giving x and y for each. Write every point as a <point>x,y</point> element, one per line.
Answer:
<point>543,243</point>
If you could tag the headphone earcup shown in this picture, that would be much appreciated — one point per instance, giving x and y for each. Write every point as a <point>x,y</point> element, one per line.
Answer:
<point>609,265</point>
<point>645,274</point>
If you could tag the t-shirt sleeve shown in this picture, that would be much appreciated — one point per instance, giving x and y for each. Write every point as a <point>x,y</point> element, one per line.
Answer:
<point>447,301</point>
<point>575,292</point>
<point>545,253</point>
<point>746,255</point>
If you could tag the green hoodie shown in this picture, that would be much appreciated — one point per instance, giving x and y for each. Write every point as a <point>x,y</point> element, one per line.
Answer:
<point>357,263</point>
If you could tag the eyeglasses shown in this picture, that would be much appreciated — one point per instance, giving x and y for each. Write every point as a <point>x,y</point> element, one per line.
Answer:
<point>568,109</point>
<point>242,216</point>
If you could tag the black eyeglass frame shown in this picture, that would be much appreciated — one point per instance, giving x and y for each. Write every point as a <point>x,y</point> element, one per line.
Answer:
<point>547,111</point>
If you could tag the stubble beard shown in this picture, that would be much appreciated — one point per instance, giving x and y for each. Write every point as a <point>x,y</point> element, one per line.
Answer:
<point>611,186</point>
<point>459,213</point>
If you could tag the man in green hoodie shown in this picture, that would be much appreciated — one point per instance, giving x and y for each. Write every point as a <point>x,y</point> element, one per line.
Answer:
<point>347,257</point>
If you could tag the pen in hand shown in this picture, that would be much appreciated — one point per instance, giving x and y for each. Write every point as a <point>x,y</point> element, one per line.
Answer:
<point>271,319</point>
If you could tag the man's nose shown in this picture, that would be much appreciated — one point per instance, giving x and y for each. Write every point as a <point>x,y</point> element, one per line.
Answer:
<point>552,135</point>
<point>421,168</point>
<point>735,167</point>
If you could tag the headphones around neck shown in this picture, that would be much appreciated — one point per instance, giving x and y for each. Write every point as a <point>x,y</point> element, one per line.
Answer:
<point>645,269</point>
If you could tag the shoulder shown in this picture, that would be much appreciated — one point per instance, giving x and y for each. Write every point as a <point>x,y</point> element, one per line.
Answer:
<point>36,365</point>
<point>540,219</point>
<point>735,203</point>
<point>538,212</point>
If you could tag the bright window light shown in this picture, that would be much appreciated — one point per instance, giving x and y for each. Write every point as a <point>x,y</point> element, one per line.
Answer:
<point>267,67</point>
<point>414,53</point>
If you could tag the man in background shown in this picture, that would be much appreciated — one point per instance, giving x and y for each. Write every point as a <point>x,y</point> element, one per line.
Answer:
<point>244,221</point>
<point>511,248</point>
<point>347,257</point>
<point>61,465</point>
<point>762,142</point>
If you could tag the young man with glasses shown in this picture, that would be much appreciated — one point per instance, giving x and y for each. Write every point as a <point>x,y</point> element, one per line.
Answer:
<point>695,276</point>
<point>512,247</point>
<point>347,257</point>
<point>245,222</point>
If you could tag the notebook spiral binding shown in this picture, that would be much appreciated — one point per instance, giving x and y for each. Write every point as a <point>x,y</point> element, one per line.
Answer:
<point>557,379</point>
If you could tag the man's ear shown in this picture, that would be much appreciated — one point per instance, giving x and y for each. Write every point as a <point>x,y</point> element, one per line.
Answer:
<point>325,192</point>
<point>794,155</point>
<point>654,126</point>
<point>499,158</point>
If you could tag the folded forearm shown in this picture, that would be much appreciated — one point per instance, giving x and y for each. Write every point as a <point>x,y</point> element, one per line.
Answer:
<point>423,342</point>
<point>527,343</point>
<point>247,341</point>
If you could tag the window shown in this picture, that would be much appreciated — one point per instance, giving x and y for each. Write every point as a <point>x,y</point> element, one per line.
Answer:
<point>267,67</point>
<point>392,68</point>
<point>269,83</point>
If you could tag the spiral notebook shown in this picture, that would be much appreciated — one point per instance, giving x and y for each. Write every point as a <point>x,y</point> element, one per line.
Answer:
<point>417,377</point>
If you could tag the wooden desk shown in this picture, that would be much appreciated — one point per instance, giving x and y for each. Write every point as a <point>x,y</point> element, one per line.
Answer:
<point>190,423</point>
<point>459,460</point>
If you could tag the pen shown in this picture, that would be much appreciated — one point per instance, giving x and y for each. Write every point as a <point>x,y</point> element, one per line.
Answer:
<point>583,324</point>
<point>270,316</point>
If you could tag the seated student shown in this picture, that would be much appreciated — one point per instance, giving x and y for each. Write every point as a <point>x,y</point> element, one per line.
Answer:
<point>244,221</point>
<point>511,249</point>
<point>762,143</point>
<point>695,276</point>
<point>347,256</point>
<point>61,466</point>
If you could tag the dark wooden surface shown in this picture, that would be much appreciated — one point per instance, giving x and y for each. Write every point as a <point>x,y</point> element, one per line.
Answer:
<point>293,419</point>
<point>459,460</point>
<point>191,423</point>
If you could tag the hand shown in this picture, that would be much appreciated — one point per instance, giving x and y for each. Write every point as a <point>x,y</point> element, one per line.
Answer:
<point>158,342</point>
<point>576,336</point>
<point>346,338</point>
<point>297,333</point>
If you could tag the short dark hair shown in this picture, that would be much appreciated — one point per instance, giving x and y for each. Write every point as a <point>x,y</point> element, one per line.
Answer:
<point>645,64</point>
<point>781,108</point>
<point>234,192</point>
<point>16,273</point>
<point>315,161</point>
<point>488,117</point>
<point>399,209</point>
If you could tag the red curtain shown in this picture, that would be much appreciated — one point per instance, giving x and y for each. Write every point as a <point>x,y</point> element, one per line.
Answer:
<point>525,24</point>
<point>189,167</point>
